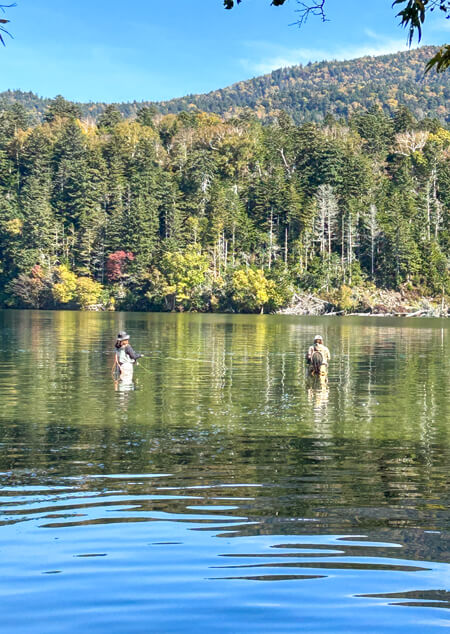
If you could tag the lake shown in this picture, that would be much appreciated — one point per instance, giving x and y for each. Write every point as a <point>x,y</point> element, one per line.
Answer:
<point>222,491</point>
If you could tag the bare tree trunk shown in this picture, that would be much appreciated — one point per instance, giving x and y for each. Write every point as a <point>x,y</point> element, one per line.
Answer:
<point>271,238</point>
<point>373,228</point>
<point>350,247</point>
<point>285,246</point>
<point>233,242</point>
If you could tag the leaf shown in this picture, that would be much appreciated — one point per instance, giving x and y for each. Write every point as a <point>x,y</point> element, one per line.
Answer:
<point>441,60</point>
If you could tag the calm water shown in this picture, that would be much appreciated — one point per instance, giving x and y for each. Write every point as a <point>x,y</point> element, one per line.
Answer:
<point>221,492</point>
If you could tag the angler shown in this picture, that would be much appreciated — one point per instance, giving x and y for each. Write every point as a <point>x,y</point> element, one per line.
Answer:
<point>125,357</point>
<point>318,357</point>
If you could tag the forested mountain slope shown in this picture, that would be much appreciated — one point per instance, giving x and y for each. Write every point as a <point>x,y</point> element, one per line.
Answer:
<point>307,93</point>
<point>197,212</point>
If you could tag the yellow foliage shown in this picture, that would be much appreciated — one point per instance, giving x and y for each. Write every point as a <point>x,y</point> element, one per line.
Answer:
<point>88,291</point>
<point>64,290</point>
<point>131,132</point>
<point>185,273</point>
<point>14,227</point>
<point>252,290</point>
<point>343,298</point>
<point>441,137</point>
<point>206,118</point>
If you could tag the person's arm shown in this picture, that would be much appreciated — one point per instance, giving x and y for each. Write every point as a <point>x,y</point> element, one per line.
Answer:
<point>131,353</point>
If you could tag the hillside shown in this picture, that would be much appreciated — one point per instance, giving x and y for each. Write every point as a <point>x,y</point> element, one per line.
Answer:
<point>308,92</point>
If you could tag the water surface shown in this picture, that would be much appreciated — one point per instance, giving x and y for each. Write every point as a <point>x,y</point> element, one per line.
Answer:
<point>222,491</point>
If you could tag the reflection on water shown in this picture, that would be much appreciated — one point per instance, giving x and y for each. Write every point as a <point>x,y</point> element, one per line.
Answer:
<point>223,489</point>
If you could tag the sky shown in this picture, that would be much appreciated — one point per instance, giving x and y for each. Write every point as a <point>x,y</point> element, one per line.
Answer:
<point>153,50</point>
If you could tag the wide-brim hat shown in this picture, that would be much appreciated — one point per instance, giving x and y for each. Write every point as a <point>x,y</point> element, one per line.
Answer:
<point>123,336</point>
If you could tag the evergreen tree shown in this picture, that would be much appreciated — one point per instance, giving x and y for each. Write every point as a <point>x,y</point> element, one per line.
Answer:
<point>63,109</point>
<point>109,118</point>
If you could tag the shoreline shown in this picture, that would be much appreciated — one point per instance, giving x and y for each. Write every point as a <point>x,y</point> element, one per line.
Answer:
<point>345,301</point>
<point>368,302</point>
<point>287,312</point>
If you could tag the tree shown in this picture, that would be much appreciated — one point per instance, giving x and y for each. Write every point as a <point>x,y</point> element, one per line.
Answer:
<point>88,292</point>
<point>59,107</point>
<point>252,291</point>
<point>65,289</point>
<point>109,118</point>
<point>31,289</point>
<point>116,264</point>
<point>327,207</point>
<point>374,233</point>
<point>185,275</point>
<point>146,115</point>
<point>34,199</point>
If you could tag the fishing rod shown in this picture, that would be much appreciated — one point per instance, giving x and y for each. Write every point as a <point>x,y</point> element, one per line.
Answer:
<point>143,367</point>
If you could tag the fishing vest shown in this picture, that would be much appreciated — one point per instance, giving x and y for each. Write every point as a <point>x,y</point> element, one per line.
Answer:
<point>123,357</point>
<point>323,351</point>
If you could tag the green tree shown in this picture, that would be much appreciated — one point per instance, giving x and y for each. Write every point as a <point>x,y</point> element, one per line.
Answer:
<point>185,278</point>
<point>109,118</point>
<point>63,109</point>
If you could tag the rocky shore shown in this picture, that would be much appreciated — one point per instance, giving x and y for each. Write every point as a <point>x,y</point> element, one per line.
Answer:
<point>368,302</point>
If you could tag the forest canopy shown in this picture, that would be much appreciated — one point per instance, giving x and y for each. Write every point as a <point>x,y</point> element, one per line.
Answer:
<point>196,212</point>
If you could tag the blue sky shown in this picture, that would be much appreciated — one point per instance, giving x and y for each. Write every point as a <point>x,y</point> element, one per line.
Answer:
<point>99,50</point>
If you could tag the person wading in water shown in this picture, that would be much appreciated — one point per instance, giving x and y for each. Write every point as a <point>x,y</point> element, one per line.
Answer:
<point>318,357</point>
<point>126,357</point>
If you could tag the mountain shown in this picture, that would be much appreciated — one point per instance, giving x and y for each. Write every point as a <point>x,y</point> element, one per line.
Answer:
<point>308,92</point>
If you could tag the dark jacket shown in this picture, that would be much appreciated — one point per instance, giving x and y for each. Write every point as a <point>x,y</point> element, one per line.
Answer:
<point>130,352</point>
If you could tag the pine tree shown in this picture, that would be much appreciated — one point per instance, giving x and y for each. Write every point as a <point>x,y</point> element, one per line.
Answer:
<point>60,108</point>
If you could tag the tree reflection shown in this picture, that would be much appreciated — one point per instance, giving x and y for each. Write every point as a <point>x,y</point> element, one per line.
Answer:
<point>226,400</point>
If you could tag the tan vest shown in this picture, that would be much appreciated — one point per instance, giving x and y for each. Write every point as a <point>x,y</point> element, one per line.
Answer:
<point>323,351</point>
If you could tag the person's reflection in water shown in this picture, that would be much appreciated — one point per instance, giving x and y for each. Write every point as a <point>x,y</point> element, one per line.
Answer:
<point>124,389</point>
<point>124,385</point>
<point>318,391</point>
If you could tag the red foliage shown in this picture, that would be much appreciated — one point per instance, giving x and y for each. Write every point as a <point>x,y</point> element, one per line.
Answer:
<point>37,272</point>
<point>116,264</point>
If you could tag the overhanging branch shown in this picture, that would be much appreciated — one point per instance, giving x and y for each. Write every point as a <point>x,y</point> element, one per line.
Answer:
<point>3,21</point>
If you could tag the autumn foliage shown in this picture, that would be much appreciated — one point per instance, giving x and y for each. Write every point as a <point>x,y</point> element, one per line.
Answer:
<point>116,265</point>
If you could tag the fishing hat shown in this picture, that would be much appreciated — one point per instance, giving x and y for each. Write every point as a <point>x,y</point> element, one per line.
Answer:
<point>317,337</point>
<point>122,336</point>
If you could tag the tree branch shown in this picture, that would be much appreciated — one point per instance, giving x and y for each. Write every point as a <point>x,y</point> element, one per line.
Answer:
<point>3,21</point>
<point>314,8</point>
